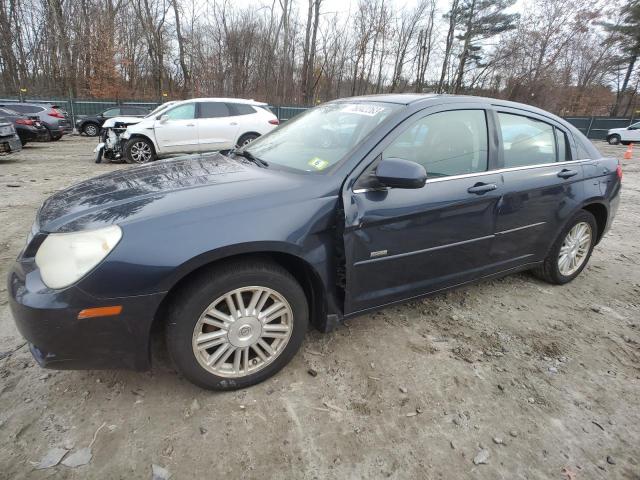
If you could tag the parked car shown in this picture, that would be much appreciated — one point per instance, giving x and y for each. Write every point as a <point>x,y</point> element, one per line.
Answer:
<point>53,117</point>
<point>110,146</point>
<point>624,135</point>
<point>9,140</point>
<point>91,125</point>
<point>28,129</point>
<point>198,125</point>
<point>236,255</point>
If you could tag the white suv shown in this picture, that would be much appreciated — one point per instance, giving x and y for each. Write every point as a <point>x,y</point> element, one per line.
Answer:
<point>197,125</point>
<point>624,135</point>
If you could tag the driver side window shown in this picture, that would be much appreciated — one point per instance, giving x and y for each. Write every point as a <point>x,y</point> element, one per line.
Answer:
<point>182,112</point>
<point>445,143</point>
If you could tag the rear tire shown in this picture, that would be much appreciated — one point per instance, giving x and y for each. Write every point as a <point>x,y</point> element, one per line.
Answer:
<point>246,139</point>
<point>139,150</point>
<point>244,360</point>
<point>553,270</point>
<point>613,139</point>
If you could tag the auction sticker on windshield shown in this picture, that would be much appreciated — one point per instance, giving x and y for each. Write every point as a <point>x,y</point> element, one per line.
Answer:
<point>363,109</point>
<point>318,163</point>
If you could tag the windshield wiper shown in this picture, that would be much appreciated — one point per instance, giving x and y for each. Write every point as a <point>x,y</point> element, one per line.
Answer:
<point>251,157</point>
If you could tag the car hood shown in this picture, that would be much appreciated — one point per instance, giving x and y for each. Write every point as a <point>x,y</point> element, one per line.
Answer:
<point>128,120</point>
<point>617,130</point>
<point>160,188</point>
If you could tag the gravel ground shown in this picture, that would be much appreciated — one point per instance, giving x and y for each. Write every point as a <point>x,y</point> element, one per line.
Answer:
<point>537,379</point>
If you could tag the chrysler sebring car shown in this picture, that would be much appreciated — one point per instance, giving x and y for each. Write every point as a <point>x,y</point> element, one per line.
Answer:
<point>352,206</point>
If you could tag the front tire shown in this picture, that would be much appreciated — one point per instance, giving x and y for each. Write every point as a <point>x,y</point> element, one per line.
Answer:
<point>236,325</point>
<point>91,129</point>
<point>571,250</point>
<point>613,139</point>
<point>139,150</point>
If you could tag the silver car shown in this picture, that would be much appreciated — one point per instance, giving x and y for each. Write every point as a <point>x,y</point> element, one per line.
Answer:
<point>9,140</point>
<point>51,116</point>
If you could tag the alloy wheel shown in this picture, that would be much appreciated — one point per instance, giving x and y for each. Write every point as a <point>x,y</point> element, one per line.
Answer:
<point>242,331</point>
<point>575,249</point>
<point>91,130</point>
<point>140,152</point>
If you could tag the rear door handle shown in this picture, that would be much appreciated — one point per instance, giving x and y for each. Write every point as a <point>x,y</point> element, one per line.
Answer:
<point>566,173</point>
<point>480,188</point>
<point>233,123</point>
<point>191,124</point>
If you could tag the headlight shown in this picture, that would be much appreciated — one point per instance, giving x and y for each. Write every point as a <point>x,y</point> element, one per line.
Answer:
<point>126,134</point>
<point>64,258</point>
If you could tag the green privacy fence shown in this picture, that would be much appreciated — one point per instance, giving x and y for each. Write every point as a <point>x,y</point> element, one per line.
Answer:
<point>596,127</point>
<point>592,127</point>
<point>78,108</point>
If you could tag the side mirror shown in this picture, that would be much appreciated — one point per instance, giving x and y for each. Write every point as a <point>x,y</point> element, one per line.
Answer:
<point>399,173</point>
<point>164,118</point>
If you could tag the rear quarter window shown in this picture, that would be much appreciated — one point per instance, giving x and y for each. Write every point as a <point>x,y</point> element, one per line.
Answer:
<point>240,109</point>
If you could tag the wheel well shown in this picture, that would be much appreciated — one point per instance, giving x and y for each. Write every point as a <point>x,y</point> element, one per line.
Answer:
<point>300,269</point>
<point>248,133</point>
<point>140,135</point>
<point>599,211</point>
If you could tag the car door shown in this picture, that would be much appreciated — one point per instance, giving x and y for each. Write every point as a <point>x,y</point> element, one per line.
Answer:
<point>217,128</point>
<point>542,186</point>
<point>633,133</point>
<point>176,130</point>
<point>401,243</point>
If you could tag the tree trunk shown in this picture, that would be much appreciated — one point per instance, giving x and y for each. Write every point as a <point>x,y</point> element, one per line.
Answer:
<point>453,20</point>
<point>183,64</point>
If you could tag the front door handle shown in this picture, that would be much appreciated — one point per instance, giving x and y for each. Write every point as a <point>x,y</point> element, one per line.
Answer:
<point>480,188</point>
<point>566,173</point>
<point>233,123</point>
<point>191,124</point>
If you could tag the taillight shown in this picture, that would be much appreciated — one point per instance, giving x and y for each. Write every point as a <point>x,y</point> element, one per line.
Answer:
<point>22,121</point>
<point>55,113</point>
<point>619,171</point>
<point>274,121</point>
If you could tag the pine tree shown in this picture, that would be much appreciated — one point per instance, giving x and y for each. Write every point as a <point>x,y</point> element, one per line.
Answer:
<point>479,21</point>
<point>628,37</point>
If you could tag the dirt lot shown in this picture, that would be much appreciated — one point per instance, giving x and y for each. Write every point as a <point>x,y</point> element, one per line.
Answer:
<point>541,377</point>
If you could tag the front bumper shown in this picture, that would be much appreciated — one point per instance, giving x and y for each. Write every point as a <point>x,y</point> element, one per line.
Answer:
<point>10,144</point>
<point>48,320</point>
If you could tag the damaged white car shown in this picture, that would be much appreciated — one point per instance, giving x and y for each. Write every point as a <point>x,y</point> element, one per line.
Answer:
<point>110,146</point>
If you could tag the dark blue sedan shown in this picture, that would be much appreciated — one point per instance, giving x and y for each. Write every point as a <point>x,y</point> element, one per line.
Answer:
<point>356,204</point>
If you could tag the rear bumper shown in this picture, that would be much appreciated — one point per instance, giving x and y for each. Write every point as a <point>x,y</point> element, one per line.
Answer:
<point>10,144</point>
<point>32,134</point>
<point>48,320</point>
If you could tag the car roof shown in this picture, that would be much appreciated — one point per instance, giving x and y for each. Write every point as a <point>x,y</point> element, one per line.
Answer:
<point>438,99</point>
<point>223,99</point>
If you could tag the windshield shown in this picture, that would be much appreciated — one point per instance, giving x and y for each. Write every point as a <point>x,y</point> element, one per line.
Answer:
<point>322,136</point>
<point>158,109</point>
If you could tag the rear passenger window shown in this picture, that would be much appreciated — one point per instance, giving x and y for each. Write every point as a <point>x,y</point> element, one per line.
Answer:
<point>213,110</point>
<point>526,141</point>
<point>445,143</point>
